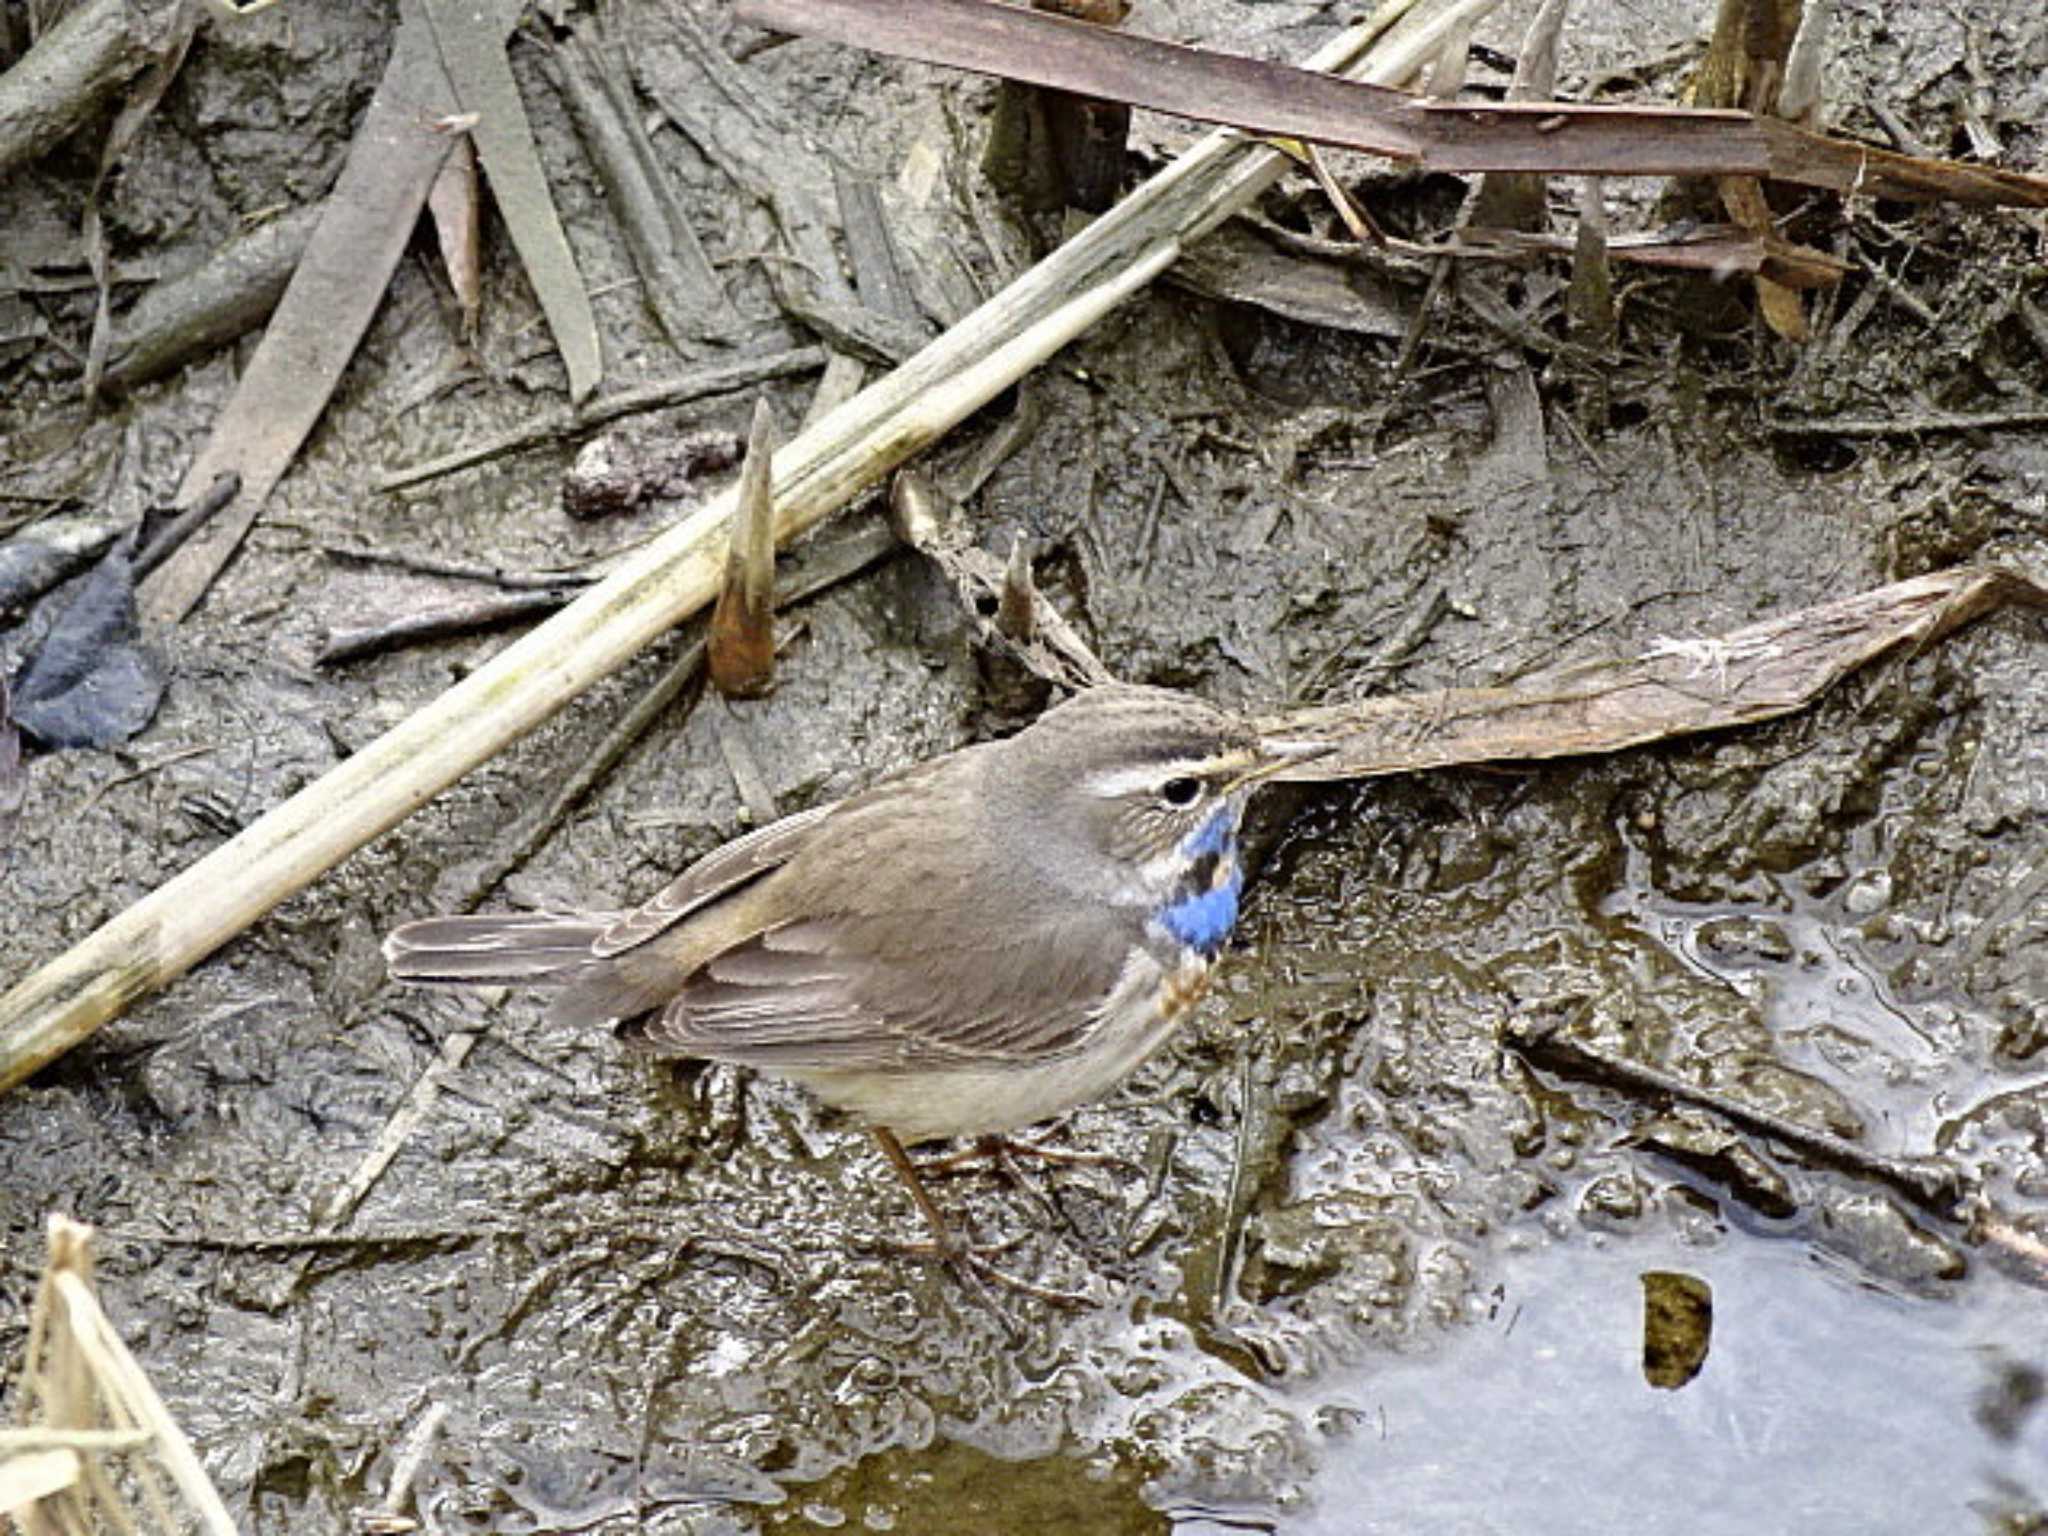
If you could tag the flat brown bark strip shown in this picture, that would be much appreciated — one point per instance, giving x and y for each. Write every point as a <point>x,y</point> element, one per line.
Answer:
<point>471,37</point>
<point>1815,160</point>
<point>1681,687</point>
<point>1279,100</point>
<point>336,289</point>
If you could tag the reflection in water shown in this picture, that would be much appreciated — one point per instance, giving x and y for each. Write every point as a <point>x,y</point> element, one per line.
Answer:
<point>1826,1406</point>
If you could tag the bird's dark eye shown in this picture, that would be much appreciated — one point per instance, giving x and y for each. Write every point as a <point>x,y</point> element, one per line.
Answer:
<point>1181,793</point>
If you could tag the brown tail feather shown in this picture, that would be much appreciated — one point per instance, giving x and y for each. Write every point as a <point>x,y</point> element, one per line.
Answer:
<point>538,948</point>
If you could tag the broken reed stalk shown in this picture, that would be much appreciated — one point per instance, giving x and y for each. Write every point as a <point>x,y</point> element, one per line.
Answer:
<point>195,912</point>
<point>95,1400</point>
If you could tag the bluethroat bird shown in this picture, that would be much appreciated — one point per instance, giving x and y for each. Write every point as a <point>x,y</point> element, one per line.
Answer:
<point>981,941</point>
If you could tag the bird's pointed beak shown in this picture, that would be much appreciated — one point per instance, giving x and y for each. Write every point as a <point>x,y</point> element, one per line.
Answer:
<point>1276,754</point>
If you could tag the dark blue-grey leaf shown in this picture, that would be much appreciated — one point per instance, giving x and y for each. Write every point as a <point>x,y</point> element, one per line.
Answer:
<point>91,682</point>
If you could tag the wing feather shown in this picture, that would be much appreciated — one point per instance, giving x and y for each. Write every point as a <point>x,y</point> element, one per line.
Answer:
<point>946,962</point>
<point>822,994</point>
<point>723,869</point>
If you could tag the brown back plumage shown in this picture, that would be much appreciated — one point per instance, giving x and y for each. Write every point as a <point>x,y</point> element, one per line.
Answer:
<point>977,908</point>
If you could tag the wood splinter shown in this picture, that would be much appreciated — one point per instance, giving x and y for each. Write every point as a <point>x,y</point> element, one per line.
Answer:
<point>742,645</point>
<point>1017,608</point>
<point>914,511</point>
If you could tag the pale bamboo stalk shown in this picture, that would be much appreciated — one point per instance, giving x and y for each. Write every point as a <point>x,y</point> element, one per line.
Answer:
<point>14,1442</point>
<point>107,1396</point>
<point>29,1476</point>
<point>125,1382</point>
<point>82,1373</point>
<point>196,911</point>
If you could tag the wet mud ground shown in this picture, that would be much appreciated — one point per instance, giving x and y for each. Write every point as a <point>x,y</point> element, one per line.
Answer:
<point>1359,1267</point>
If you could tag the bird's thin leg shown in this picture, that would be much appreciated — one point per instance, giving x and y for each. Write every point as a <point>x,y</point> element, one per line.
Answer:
<point>942,1235</point>
<point>1005,1150</point>
<point>999,1154</point>
<point>971,1266</point>
<point>1003,1155</point>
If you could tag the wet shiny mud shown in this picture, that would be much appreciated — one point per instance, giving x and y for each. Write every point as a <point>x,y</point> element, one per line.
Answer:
<point>1358,1265</point>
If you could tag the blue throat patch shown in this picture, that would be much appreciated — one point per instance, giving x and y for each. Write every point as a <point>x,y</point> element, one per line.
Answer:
<point>1202,914</point>
<point>1215,836</point>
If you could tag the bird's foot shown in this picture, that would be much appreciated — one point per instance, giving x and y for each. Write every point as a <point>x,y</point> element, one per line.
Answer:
<point>975,1266</point>
<point>1005,1157</point>
<point>972,1263</point>
<point>1005,1152</point>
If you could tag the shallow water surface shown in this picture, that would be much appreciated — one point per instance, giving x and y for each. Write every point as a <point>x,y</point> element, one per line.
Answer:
<point>1824,1405</point>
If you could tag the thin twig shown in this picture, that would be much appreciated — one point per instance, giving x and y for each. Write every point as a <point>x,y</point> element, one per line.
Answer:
<point>461,616</point>
<point>334,1211</point>
<point>1937,1186</point>
<point>411,1457</point>
<point>461,570</point>
<point>679,389</point>
<point>1908,425</point>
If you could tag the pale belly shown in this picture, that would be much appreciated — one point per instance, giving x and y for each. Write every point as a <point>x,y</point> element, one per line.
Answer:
<point>981,1100</point>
